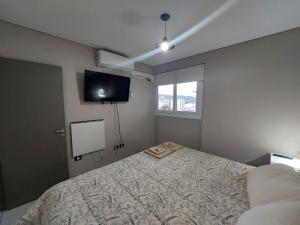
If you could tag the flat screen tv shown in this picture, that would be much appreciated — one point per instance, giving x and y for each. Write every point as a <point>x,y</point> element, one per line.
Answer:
<point>104,87</point>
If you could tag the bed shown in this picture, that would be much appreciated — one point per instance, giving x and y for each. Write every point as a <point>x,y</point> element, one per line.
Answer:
<point>187,187</point>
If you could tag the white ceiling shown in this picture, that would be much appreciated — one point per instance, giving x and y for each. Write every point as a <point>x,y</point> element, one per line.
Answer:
<point>133,27</point>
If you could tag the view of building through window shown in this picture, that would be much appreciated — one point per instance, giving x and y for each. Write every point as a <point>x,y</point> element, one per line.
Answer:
<point>165,97</point>
<point>186,96</point>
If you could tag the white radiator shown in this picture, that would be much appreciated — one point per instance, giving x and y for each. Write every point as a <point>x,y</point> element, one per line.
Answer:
<point>87,136</point>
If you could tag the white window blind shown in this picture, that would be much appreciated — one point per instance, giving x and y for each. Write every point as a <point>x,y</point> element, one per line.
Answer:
<point>194,73</point>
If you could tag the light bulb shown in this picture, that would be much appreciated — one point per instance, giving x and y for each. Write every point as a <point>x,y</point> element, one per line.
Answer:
<point>164,46</point>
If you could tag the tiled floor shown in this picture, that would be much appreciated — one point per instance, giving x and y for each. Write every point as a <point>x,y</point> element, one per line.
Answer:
<point>9,217</point>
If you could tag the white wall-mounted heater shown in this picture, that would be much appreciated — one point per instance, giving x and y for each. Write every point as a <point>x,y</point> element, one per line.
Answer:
<point>87,137</point>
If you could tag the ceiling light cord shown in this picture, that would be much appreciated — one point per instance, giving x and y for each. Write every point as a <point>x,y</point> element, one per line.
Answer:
<point>165,46</point>
<point>165,37</point>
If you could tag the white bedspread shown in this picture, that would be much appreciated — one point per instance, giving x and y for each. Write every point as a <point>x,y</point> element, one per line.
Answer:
<point>187,187</point>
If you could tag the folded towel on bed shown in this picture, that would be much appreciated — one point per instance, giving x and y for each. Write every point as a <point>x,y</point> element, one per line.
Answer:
<point>171,145</point>
<point>158,152</point>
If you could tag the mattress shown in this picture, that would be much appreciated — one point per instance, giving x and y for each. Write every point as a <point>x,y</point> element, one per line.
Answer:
<point>187,187</point>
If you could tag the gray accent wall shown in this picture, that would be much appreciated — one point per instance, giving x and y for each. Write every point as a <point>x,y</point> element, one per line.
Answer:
<point>251,103</point>
<point>136,116</point>
<point>179,130</point>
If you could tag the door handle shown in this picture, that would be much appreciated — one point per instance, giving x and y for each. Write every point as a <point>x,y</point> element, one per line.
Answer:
<point>62,132</point>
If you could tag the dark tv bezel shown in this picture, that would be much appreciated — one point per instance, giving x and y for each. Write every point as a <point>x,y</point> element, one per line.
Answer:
<point>104,74</point>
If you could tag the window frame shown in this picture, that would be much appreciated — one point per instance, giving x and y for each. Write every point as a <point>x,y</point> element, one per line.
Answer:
<point>197,102</point>
<point>181,114</point>
<point>156,103</point>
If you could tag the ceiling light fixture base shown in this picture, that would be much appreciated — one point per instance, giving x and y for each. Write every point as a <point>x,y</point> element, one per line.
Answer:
<point>165,17</point>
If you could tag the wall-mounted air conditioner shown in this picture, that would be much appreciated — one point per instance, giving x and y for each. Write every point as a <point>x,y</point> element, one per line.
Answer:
<point>145,76</point>
<point>112,60</point>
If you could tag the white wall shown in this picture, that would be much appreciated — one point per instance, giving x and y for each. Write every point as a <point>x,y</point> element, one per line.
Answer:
<point>137,120</point>
<point>251,103</point>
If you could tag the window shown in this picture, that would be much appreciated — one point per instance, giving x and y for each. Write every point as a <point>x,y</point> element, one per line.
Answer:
<point>186,97</point>
<point>165,97</point>
<point>179,92</point>
<point>180,100</point>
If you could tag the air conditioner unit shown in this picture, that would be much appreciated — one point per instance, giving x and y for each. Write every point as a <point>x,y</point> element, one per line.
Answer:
<point>145,76</point>
<point>112,60</point>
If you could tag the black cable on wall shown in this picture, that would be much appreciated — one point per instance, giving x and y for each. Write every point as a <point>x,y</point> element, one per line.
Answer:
<point>119,125</point>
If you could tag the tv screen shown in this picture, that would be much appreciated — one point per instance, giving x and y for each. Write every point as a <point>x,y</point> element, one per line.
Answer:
<point>104,87</point>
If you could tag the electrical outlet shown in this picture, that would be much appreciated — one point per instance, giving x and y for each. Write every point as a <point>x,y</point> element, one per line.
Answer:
<point>116,147</point>
<point>120,146</point>
<point>77,158</point>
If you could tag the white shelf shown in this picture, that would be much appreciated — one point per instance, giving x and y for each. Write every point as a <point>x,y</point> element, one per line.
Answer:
<point>293,162</point>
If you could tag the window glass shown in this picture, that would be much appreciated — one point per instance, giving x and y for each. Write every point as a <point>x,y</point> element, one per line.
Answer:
<point>165,97</point>
<point>186,96</point>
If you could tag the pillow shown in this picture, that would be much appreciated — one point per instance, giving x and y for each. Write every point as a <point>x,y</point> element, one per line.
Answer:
<point>271,183</point>
<point>275,213</point>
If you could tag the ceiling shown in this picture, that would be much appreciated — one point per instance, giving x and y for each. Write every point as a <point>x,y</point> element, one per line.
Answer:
<point>133,27</point>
